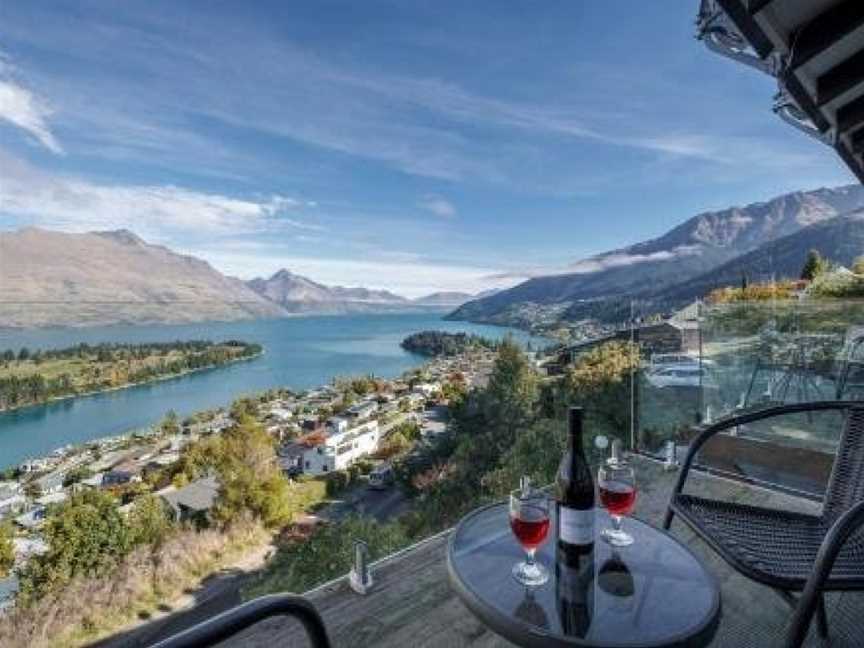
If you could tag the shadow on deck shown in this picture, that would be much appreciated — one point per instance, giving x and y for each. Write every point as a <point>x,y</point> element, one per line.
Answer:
<point>412,603</point>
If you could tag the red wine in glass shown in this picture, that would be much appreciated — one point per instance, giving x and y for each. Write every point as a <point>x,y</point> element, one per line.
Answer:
<point>529,521</point>
<point>618,497</point>
<point>530,531</point>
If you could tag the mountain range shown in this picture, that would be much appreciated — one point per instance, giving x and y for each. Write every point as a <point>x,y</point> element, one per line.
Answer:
<point>50,278</point>
<point>298,294</point>
<point>706,251</point>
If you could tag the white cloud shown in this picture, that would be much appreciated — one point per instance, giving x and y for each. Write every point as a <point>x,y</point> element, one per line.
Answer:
<point>155,212</point>
<point>438,206</point>
<point>23,109</point>
<point>404,277</point>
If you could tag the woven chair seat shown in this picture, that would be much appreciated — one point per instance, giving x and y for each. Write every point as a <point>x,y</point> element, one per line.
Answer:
<point>777,548</point>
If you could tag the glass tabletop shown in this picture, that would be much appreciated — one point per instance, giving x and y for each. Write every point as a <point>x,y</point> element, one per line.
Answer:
<point>654,592</point>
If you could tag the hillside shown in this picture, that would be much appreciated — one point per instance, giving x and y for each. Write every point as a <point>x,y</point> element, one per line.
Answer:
<point>297,294</point>
<point>592,286</point>
<point>445,298</point>
<point>52,278</point>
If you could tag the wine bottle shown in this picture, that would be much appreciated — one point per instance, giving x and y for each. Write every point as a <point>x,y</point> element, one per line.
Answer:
<point>575,495</point>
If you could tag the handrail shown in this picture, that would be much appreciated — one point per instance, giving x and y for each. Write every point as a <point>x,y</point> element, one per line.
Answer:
<point>229,623</point>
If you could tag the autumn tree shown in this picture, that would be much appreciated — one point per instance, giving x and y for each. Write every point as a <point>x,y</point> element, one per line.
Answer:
<point>7,549</point>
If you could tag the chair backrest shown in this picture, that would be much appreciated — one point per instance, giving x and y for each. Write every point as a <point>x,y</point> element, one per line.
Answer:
<point>846,485</point>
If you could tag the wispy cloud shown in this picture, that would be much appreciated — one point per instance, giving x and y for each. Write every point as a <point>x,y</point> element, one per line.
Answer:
<point>21,108</point>
<point>158,212</point>
<point>437,205</point>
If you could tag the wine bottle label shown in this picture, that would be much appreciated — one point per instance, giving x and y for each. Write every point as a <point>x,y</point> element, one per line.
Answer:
<point>577,527</point>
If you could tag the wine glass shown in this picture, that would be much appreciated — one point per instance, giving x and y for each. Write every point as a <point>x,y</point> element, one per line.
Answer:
<point>616,482</point>
<point>529,520</point>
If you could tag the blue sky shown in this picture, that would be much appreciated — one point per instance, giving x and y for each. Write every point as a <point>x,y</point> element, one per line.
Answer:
<point>408,145</point>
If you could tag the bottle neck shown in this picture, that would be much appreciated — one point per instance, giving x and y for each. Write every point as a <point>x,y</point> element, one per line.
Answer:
<point>575,433</point>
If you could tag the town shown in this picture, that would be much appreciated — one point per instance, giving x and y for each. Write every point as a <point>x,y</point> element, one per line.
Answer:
<point>319,435</point>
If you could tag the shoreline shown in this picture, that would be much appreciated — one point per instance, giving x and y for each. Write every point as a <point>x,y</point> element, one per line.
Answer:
<point>108,390</point>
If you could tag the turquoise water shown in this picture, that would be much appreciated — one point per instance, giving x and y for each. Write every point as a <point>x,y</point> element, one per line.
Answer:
<point>298,353</point>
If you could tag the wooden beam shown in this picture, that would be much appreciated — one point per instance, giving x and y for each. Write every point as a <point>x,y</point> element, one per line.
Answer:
<point>755,6</point>
<point>840,79</point>
<point>815,37</point>
<point>850,116</point>
<point>745,23</point>
<point>856,141</point>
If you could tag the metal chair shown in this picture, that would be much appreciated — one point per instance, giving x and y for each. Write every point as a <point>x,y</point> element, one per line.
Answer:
<point>229,623</point>
<point>790,552</point>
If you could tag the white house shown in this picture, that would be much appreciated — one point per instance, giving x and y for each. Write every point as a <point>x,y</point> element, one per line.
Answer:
<point>341,448</point>
<point>337,425</point>
<point>362,410</point>
<point>427,389</point>
<point>11,498</point>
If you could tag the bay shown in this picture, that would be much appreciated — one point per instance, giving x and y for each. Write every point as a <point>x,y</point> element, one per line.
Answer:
<point>299,353</point>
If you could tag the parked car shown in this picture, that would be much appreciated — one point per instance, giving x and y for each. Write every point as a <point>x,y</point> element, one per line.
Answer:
<point>687,376</point>
<point>381,477</point>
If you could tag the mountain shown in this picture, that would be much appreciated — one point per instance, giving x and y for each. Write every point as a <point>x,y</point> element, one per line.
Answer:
<point>697,246</point>
<point>298,294</point>
<point>840,239</point>
<point>50,278</point>
<point>445,298</point>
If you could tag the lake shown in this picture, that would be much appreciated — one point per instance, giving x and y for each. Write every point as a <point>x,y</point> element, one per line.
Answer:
<point>299,353</point>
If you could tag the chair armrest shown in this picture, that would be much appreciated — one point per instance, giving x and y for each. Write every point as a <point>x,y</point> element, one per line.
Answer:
<point>837,535</point>
<point>230,622</point>
<point>750,417</point>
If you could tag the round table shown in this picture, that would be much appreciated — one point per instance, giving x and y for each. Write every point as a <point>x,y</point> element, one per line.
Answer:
<point>653,593</point>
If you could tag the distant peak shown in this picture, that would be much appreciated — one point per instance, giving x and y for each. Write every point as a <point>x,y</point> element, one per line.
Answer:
<point>124,236</point>
<point>283,274</point>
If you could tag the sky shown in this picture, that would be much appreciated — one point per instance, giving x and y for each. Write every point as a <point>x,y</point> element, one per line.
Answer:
<point>413,145</point>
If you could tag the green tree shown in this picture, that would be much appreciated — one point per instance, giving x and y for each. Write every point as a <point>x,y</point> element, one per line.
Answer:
<point>250,477</point>
<point>858,266</point>
<point>814,265</point>
<point>170,425</point>
<point>7,549</point>
<point>86,536</point>
<point>148,521</point>
<point>511,395</point>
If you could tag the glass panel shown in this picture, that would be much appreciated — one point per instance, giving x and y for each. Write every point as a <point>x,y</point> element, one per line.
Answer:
<point>751,356</point>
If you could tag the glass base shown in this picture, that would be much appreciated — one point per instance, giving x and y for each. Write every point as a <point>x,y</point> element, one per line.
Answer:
<point>617,537</point>
<point>530,575</point>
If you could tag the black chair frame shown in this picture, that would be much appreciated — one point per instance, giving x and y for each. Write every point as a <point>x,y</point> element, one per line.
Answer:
<point>840,526</point>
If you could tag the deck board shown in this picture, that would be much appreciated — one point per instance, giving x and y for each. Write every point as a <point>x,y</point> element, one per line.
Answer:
<point>412,603</point>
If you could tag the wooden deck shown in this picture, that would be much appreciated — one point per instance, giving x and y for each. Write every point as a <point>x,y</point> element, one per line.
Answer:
<point>412,603</point>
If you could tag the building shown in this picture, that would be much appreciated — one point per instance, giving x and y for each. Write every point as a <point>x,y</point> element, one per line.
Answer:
<point>192,502</point>
<point>338,450</point>
<point>11,498</point>
<point>50,483</point>
<point>362,410</point>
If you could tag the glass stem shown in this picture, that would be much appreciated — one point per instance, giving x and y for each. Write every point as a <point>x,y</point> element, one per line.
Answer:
<point>616,523</point>
<point>530,553</point>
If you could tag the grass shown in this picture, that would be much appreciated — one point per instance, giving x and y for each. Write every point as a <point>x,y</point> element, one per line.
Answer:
<point>143,584</point>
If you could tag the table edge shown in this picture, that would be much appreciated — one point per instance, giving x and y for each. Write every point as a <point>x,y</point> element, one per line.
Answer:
<point>537,638</point>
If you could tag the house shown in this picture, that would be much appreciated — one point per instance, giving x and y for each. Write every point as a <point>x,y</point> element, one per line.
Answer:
<point>291,458</point>
<point>50,483</point>
<point>193,501</point>
<point>338,450</point>
<point>11,498</point>
<point>427,389</point>
<point>123,473</point>
<point>415,400</point>
<point>336,425</point>
<point>362,410</point>
<point>32,519</point>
